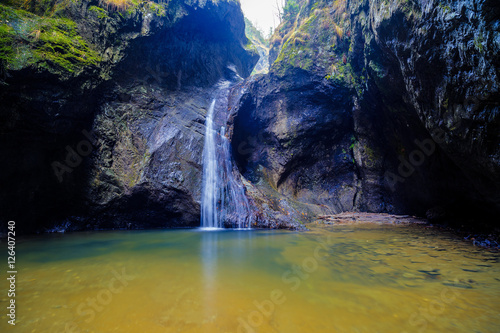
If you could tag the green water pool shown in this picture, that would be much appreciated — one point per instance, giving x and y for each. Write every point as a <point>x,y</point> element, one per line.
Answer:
<point>365,278</point>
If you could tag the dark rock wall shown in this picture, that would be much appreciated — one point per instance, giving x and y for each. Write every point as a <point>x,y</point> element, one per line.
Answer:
<point>293,134</point>
<point>447,60</point>
<point>119,144</point>
<point>370,105</point>
<point>380,106</point>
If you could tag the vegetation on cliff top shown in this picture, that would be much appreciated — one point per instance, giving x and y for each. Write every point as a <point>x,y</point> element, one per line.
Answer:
<point>53,35</point>
<point>254,34</point>
<point>50,42</point>
<point>313,35</point>
<point>316,35</point>
<point>42,35</point>
<point>261,45</point>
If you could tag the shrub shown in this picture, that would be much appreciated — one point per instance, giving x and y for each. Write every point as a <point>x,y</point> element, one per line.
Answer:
<point>291,10</point>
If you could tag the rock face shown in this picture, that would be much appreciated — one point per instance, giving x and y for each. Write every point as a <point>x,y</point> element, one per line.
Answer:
<point>290,135</point>
<point>378,106</point>
<point>118,142</point>
<point>369,105</point>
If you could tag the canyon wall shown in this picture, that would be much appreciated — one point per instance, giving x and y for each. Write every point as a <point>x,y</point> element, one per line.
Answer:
<point>103,109</point>
<point>378,106</point>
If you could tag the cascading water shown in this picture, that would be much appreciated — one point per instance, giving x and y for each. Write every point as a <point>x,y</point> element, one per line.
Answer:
<point>235,207</point>
<point>223,201</point>
<point>209,216</point>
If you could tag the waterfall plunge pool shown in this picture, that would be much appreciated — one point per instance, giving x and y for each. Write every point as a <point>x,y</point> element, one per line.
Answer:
<point>366,278</point>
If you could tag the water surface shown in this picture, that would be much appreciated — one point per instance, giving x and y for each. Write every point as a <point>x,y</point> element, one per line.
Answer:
<point>332,279</point>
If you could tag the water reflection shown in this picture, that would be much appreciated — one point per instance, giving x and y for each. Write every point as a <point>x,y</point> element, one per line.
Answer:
<point>208,256</point>
<point>369,279</point>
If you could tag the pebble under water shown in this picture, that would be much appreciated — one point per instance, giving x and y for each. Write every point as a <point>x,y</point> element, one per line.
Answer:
<point>364,278</point>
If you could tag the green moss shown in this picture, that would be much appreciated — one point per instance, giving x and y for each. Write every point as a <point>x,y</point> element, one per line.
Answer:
<point>354,142</point>
<point>478,42</point>
<point>319,24</point>
<point>377,69</point>
<point>290,10</point>
<point>250,46</point>
<point>411,8</point>
<point>6,49</point>
<point>255,34</point>
<point>343,74</point>
<point>101,13</point>
<point>446,104</point>
<point>294,54</point>
<point>445,8</point>
<point>54,44</point>
<point>47,8</point>
<point>370,154</point>
<point>159,9</point>
<point>37,33</point>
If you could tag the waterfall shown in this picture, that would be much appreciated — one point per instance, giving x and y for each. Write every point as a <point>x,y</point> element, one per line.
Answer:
<point>209,216</point>
<point>223,200</point>
<point>234,202</point>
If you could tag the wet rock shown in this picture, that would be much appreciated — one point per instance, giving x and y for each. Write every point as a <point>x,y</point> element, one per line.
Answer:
<point>490,241</point>
<point>392,109</point>
<point>360,218</point>
<point>142,108</point>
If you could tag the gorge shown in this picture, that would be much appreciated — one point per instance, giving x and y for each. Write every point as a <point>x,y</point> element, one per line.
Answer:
<point>375,106</point>
<point>166,168</point>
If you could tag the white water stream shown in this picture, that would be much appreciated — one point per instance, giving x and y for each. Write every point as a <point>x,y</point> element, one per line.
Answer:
<point>224,202</point>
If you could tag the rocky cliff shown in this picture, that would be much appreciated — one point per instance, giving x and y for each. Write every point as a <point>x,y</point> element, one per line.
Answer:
<point>103,106</point>
<point>369,105</point>
<point>379,106</point>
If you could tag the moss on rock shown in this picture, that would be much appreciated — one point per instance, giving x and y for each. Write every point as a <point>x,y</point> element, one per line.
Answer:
<point>51,43</point>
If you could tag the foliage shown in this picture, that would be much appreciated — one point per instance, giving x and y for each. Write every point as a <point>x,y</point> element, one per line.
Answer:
<point>255,34</point>
<point>290,10</point>
<point>315,39</point>
<point>120,5</point>
<point>260,45</point>
<point>41,7</point>
<point>50,7</point>
<point>411,8</point>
